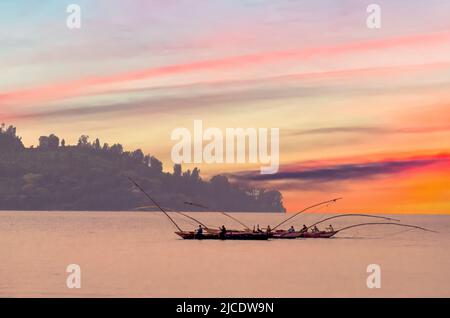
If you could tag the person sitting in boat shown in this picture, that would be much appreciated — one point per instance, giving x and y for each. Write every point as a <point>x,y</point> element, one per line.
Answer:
<point>315,229</point>
<point>223,231</point>
<point>330,228</point>
<point>258,229</point>
<point>304,229</point>
<point>291,229</point>
<point>268,229</point>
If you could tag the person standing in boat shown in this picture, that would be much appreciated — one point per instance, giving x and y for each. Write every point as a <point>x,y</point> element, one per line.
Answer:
<point>223,231</point>
<point>291,229</point>
<point>199,232</point>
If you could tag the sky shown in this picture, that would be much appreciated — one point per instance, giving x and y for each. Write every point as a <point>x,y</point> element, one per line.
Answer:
<point>364,114</point>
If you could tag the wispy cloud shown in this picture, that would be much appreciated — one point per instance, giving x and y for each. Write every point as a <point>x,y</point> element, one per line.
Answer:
<point>76,87</point>
<point>344,171</point>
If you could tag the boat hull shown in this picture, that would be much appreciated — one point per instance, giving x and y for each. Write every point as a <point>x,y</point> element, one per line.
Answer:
<point>228,236</point>
<point>294,235</point>
<point>321,234</point>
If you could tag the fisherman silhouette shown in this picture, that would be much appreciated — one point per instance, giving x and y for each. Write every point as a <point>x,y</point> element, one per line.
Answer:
<point>304,229</point>
<point>223,231</point>
<point>199,233</point>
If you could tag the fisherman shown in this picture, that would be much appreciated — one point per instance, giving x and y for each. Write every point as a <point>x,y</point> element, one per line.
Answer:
<point>330,228</point>
<point>199,233</point>
<point>268,229</point>
<point>254,229</point>
<point>315,229</point>
<point>291,229</point>
<point>304,229</point>
<point>258,229</point>
<point>223,231</point>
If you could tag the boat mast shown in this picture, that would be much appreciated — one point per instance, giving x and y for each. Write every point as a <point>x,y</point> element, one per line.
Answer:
<point>155,203</point>
<point>305,209</point>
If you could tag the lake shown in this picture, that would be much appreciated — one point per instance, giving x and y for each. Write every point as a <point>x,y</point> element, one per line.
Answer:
<point>136,254</point>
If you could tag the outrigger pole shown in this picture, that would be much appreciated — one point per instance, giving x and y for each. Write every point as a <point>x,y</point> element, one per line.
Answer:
<point>385,223</point>
<point>305,209</point>
<point>235,219</point>
<point>155,203</point>
<point>224,213</point>
<point>179,212</point>
<point>347,215</point>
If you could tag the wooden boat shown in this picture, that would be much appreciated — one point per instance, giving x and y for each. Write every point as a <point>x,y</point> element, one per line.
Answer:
<point>229,235</point>
<point>282,234</point>
<point>247,234</point>
<point>321,234</point>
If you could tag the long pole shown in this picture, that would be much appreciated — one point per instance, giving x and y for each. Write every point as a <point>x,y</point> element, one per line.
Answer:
<point>348,215</point>
<point>305,209</point>
<point>155,203</point>
<point>385,223</point>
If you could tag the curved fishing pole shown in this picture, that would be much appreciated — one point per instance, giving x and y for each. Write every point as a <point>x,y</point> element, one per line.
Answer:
<point>305,209</point>
<point>385,223</point>
<point>155,203</point>
<point>192,218</point>
<point>347,215</point>
<point>224,213</point>
<point>179,212</point>
<point>235,219</point>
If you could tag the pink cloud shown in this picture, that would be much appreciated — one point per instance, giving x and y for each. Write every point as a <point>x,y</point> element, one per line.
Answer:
<point>77,87</point>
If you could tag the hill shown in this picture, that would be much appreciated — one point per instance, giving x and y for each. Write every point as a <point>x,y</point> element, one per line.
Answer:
<point>90,176</point>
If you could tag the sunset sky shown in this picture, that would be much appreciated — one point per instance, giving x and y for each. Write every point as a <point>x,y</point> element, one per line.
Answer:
<point>363,113</point>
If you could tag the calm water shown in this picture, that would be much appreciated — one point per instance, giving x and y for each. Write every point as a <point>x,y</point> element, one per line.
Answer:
<point>136,254</point>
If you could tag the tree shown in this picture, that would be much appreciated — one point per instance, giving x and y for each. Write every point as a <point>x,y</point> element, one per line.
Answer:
<point>53,142</point>
<point>177,170</point>
<point>138,155</point>
<point>83,141</point>
<point>195,176</point>
<point>97,144</point>
<point>156,165</point>
<point>43,142</point>
<point>117,149</point>
<point>9,141</point>
<point>187,174</point>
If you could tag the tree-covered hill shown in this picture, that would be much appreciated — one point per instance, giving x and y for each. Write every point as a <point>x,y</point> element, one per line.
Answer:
<point>91,176</point>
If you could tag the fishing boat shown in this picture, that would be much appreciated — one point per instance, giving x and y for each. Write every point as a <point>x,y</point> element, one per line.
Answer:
<point>247,234</point>
<point>229,235</point>
<point>208,234</point>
